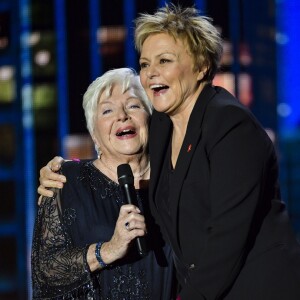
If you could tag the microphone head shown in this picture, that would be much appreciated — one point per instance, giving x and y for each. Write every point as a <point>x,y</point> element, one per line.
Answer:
<point>125,175</point>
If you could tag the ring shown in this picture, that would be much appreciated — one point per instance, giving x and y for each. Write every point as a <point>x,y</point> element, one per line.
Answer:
<point>127,226</point>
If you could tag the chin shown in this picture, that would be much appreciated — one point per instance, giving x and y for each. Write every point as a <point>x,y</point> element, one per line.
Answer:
<point>159,108</point>
<point>130,152</point>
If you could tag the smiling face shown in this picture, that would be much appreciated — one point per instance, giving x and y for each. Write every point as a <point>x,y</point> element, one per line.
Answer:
<point>121,124</point>
<point>167,74</point>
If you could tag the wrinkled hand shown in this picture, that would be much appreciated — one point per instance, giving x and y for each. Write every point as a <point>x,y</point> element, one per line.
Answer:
<point>118,246</point>
<point>50,179</point>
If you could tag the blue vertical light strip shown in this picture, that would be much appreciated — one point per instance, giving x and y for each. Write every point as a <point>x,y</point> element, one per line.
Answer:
<point>201,5</point>
<point>288,64</point>
<point>234,30</point>
<point>62,72</point>
<point>129,13</point>
<point>95,50</point>
<point>28,129</point>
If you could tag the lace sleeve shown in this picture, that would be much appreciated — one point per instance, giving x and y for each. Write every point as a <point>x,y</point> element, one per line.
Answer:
<point>59,269</point>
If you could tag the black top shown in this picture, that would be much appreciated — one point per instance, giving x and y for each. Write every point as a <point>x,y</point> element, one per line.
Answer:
<point>229,231</point>
<point>86,212</point>
<point>163,189</point>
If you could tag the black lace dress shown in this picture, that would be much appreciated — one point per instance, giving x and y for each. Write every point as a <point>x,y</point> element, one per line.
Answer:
<point>85,212</point>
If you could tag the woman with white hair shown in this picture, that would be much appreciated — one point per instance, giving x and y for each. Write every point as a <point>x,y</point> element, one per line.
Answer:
<point>83,234</point>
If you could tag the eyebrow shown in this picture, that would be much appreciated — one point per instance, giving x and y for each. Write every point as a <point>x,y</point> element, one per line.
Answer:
<point>158,55</point>
<point>106,101</point>
<point>135,97</point>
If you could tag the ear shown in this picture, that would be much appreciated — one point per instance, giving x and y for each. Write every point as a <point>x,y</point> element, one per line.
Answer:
<point>95,141</point>
<point>201,73</point>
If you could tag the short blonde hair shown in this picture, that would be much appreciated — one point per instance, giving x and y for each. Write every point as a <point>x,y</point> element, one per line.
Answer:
<point>202,37</point>
<point>104,84</point>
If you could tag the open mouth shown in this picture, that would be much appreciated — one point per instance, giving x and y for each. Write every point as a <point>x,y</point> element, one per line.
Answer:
<point>125,132</point>
<point>159,87</point>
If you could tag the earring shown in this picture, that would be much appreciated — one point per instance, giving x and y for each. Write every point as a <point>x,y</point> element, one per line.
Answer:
<point>98,152</point>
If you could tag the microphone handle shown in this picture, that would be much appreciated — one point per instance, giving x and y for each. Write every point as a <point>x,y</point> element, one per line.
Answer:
<point>141,246</point>
<point>130,196</point>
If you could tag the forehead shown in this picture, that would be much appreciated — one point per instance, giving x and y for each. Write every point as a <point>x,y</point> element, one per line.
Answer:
<point>117,94</point>
<point>163,42</point>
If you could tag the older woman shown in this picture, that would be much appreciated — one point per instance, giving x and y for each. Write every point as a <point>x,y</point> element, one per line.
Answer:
<point>82,248</point>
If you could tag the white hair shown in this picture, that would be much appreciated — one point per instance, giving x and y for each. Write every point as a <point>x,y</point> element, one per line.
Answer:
<point>104,84</point>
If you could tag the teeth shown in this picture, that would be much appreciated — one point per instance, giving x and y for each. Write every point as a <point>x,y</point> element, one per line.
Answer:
<point>155,86</point>
<point>124,132</point>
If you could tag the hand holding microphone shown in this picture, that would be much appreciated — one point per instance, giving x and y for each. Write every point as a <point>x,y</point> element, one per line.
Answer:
<point>126,181</point>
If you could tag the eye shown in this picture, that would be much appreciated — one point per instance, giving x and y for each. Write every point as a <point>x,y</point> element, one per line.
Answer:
<point>106,111</point>
<point>164,60</point>
<point>134,105</point>
<point>143,65</point>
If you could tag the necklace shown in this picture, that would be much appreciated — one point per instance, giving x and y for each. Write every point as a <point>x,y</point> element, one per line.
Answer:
<point>139,175</point>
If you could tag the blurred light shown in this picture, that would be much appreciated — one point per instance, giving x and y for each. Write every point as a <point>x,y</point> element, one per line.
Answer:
<point>245,56</point>
<point>3,42</point>
<point>284,110</point>
<point>79,146</point>
<point>44,96</point>
<point>227,54</point>
<point>225,80</point>
<point>25,39</point>
<point>111,34</point>
<point>6,73</point>
<point>34,38</point>
<point>270,132</point>
<point>42,57</point>
<point>245,89</point>
<point>281,38</point>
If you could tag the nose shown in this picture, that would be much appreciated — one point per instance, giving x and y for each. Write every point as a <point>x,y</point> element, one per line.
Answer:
<point>152,71</point>
<point>122,115</point>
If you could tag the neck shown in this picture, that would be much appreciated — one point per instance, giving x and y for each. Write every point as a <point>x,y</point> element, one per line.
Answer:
<point>181,117</point>
<point>140,167</point>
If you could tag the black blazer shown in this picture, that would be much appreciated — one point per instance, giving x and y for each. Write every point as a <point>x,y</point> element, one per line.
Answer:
<point>230,232</point>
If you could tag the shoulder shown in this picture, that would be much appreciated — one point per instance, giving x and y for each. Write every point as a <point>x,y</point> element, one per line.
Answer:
<point>71,169</point>
<point>225,115</point>
<point>70,166</point>
<point>224,102</point>
<point>78,180</point>
<point>227,109</point>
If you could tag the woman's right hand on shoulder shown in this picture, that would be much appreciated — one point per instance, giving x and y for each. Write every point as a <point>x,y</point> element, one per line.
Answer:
<point>50,179</point>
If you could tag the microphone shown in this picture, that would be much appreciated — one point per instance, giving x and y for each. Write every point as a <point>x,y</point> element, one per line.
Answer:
<point>126,181</point>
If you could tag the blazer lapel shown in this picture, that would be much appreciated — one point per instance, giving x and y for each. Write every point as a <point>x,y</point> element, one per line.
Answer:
<point>160,131</point>
<point>190,142</point>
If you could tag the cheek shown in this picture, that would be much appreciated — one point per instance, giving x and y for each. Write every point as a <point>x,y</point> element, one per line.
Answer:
<point>144,134</point>
<point>143,78</point>
<point>144,139</point>
<point>102,130</point>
